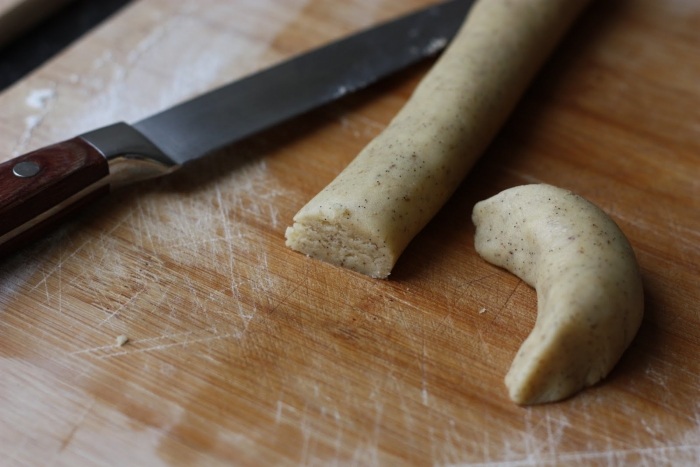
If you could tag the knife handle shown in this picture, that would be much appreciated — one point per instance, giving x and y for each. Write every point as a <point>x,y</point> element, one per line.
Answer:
<point>40,188</point>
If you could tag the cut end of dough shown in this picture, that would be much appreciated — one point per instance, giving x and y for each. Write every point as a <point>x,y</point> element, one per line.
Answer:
<point>341,244</point>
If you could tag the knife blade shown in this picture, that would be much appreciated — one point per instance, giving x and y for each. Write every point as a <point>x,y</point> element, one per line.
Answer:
<point>39,188</point>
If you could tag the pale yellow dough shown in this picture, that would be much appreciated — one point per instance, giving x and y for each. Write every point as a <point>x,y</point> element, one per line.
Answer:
<point>365,218</point>
<point>589,290</point>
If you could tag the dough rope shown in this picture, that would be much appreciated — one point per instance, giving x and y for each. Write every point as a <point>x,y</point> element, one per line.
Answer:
<point>365,218</point>
<point>590,301</point>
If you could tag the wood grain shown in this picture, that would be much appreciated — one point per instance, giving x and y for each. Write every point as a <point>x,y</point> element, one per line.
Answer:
<point>242,352</point>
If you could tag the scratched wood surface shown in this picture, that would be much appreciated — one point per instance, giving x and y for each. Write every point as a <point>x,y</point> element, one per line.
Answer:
<point>242,352</point>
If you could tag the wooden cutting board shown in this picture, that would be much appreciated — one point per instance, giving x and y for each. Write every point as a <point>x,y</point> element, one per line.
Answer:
<point>243,352</point>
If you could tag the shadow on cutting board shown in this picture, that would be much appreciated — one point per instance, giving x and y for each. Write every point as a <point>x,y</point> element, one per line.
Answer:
<point>517,141</point>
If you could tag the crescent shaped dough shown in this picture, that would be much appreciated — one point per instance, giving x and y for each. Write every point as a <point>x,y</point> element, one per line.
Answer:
<point>365,218</point>
<point>589,290</point>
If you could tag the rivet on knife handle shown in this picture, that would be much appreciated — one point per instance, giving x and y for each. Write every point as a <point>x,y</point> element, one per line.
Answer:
<point>41,187</point>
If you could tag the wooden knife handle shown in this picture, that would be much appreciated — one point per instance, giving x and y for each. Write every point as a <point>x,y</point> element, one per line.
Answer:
<point>40,188</point>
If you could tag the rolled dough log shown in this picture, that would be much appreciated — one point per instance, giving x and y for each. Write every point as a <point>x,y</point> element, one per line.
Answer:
<point>365,218</point>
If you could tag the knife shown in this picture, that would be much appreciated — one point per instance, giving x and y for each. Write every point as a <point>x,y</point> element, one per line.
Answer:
<point>39,188</point>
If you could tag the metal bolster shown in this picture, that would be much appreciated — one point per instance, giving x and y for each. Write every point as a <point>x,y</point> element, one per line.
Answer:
<point>131,156</point>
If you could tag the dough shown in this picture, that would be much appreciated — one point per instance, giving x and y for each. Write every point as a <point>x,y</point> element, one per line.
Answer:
<point>590,301</point>
<point>365,218</point>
